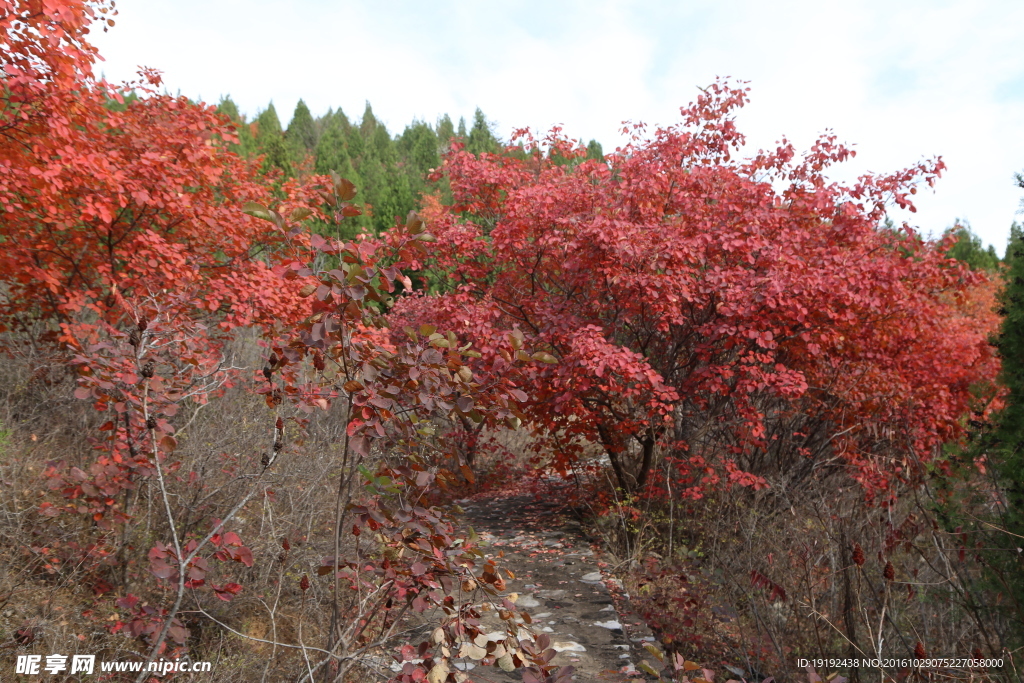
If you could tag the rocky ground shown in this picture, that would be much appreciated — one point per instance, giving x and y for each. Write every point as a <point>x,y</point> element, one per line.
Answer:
<point>563,585</point>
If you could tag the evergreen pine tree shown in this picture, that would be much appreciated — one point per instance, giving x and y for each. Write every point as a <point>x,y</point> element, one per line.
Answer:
<point>445,133</point>
<point>332,155</point>
<point>270,141</point>
<point>246,143</point>
<point>268,122</point>
<point>418,149</point>
<point>461,132</point>
<point>387,185</point>
<point>228,108</point>
<point>595,151</point>
<point>1008,565</point>
<point>481,139</point>
<point>968,248</point>
<point>368,123</point>
<point>301,132</point>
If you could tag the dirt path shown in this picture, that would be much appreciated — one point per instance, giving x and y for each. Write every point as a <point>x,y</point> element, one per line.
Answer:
<point>561,585</point>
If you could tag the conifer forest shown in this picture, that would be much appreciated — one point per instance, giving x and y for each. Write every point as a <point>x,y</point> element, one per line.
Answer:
<point>309,399</point>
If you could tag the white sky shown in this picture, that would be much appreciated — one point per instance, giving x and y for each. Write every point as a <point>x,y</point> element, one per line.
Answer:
<point>902,79</point>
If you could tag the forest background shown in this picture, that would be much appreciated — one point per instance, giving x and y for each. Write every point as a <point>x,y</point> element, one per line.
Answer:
<point>250,367</point>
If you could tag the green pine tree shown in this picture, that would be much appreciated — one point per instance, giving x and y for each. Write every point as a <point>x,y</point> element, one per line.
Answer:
<point>445,133</point>
<point>270,142</point>
<point>332,154</point>
<point>387,185</point>
<point>481,138</point>
<point>595,151</point>
<point>246,140</point>
<point>418,149</point>
<point>301,133</point>
<point>1007,558</point>
<point>968,248</point>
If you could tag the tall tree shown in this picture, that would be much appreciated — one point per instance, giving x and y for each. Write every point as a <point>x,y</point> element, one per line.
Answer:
<point>1008,564</point>
<point>301,133</point>
<point>481,138</point>
<point>745,317</point>
<point>332,155</point>
<point>418,148</point>
<point>246,144</point>
<point>969,249</point>
<point>387,185</point>
<point>445,133</point>
<point>270,142</point>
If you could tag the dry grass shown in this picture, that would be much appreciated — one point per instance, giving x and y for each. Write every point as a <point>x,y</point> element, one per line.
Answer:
<point>56,597</point>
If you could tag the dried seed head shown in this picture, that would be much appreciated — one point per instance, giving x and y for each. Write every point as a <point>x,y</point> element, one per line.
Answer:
<point>135,338</point>
<point>889,572</point>
<point>143,324</point>
<point>304,583</point>
<point>919,650</point>
<point>285,544</point>
<point>150,422</point>
<point>147,369</point>
<point>265,461</point>
<point>268,372</point>
<point>280,424</point>
<point>278,444</point>
<point>858,555</point>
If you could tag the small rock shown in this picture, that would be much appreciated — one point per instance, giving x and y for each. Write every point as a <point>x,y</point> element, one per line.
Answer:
<point>527,601</point>
<point>551,594</point>
<point>592,577</point>
<point>610,625</point>
<point>568,646</point>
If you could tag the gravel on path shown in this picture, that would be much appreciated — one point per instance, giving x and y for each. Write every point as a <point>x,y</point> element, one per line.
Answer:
<point>560,584</point>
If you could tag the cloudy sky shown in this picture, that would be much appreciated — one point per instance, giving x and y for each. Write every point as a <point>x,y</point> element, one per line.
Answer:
<point>901,80</point>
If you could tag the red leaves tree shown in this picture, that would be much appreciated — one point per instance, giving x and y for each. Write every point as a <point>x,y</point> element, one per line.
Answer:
<point>98,191</point>
<point>747,317</point>
<point>126,244</point>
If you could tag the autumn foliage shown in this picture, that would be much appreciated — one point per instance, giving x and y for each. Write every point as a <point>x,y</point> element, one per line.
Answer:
<point>746,317</point>
<point>129,255</point>
<point>702,318</point>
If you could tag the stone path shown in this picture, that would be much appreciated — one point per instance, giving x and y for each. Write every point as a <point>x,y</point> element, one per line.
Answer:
<point>561,586</point>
